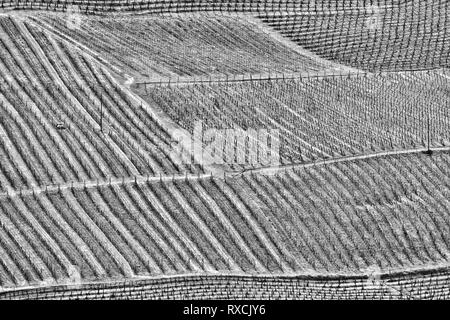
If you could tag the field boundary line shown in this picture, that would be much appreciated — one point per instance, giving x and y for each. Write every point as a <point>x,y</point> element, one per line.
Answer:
<point>242,78</point>
<point>144,179</point>
<point>180,81</point>
<point>327,65</point>
<point>385,276</point>
<point>89,184</point>
<point>276,169</point>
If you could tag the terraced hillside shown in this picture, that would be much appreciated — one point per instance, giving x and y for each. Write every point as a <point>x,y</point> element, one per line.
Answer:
<point>316,118</point>
<point>387,212</point>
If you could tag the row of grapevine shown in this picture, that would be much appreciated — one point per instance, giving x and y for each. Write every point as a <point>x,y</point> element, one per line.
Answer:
<point>151,47</point>
<point>178,6</point>
<point>64,118</point>
<point>423,284</point>
<point>320,118</point>
<point>409,37</point>
<point>387,213</point>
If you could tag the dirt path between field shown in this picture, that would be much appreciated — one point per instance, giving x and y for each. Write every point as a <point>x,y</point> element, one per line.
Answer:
<point>218,79</point>
<point>143,83</point>
<point>269,171</point>
<point>101,183</point>
<point>274,170</point>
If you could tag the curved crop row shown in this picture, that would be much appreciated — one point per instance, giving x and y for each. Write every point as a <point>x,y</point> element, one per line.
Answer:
<point>429,284</point>
<point>177,6</point>
<point>319,118</point>
<point>412,36</point>
<point>350,217</point>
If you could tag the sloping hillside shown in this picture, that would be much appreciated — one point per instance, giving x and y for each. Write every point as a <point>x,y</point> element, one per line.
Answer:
<point>65,119</point>
<point>412,36</point>
<point>179,6</point>
<point>317,117</point>
<point>375,35</point>
<point>423,284</point>
<point>93,194</point>
<point>191,45</point>
<point>388,213</point>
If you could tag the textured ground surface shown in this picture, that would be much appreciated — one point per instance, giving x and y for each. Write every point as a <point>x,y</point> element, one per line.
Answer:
<point>90,191</point>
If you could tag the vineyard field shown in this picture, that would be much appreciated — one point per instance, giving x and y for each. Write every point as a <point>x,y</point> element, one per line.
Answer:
<point>374,36</point>
<point>183,6</point>
<point>65,119</point>
<point>188,45</point>
<point>412,36</point>
<point>199,149</point>
<point>320,118</point>
<point>426,284</point>
<point>388,213</point>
